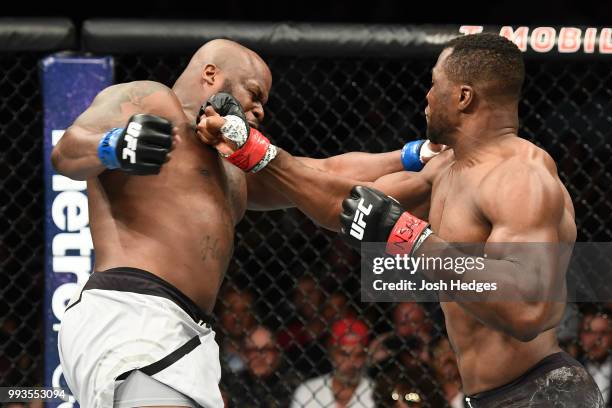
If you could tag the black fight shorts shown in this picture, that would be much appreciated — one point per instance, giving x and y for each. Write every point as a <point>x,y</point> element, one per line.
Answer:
<point>558,381</point>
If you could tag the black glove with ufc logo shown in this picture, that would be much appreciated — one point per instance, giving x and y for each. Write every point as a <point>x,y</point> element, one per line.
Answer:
<point>140,148</point>
<point>371,216</point>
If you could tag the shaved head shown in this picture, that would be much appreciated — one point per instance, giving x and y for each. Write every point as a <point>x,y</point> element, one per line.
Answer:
<point>225,66</point>
<point>227,55</point>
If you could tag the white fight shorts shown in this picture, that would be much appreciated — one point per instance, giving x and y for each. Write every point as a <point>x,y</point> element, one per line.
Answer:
<point>127,319</point>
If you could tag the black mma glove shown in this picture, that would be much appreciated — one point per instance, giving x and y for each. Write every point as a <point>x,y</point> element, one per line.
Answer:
<point>140,148</point>
<point>224,104</point>
<point>371,216</point>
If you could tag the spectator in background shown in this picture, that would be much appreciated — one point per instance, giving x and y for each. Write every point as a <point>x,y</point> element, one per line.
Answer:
<point>408,341</point>
<point>346,386</point>
<point>303,339</point>
<point>266,382</point>
<point>409,387</point>
<point>237,318</point>
<point>411,319</point>
<point>444,363</point>
<point>337,307</point>
<point>596,339</point>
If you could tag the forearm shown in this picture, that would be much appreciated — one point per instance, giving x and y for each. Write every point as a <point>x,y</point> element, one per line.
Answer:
<point>358,165</point>
<point>521,306</point>
<point>76,154</point>
<point>318,194</point>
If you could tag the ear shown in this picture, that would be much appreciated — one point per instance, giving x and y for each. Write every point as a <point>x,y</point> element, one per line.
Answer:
<point>466,97</point>
<point>209,73</point>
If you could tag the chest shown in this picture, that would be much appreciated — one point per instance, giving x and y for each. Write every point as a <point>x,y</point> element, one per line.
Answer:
<point>326,395</point>
<point>454,213</point>
<point>205,179</point>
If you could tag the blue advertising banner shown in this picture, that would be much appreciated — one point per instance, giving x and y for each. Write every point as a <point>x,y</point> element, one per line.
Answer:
<point>69,85</point>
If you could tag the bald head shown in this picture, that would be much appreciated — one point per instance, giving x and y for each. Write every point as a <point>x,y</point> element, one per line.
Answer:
<point>227,55</point>
<point>226,66</point>
<point>260,337</point>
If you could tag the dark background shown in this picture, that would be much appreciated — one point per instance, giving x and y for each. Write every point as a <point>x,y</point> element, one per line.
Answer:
<point>377,11</point>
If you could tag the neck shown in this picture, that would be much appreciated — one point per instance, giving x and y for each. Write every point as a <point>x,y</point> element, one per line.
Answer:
<point>190,101</point>
<point>342,382</point>
<point>342,390</point>
<point>482,129</point>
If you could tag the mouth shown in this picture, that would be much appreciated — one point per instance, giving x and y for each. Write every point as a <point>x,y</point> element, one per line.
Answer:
<point>254,125</point>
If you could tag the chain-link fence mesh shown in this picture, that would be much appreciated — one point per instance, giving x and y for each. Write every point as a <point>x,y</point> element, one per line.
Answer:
<point>287,275</point>
<point>21,223</point>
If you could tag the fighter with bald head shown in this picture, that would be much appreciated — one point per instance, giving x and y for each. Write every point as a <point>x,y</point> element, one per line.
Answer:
<point>138,334</point>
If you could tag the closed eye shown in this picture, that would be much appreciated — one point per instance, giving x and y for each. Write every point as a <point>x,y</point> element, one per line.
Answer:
<point>256,96</point>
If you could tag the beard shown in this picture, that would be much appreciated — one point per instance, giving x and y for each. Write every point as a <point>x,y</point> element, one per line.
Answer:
<point>438,129</point>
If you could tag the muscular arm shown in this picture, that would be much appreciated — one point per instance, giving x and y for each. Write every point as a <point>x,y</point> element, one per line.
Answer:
<point>76,154</point>
<point>362,167</point>
<point>319,194</point>
<point>524,205</point>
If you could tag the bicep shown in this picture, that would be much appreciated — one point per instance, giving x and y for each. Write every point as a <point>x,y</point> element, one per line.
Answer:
<point>524,207</point>
<point>411,189</point>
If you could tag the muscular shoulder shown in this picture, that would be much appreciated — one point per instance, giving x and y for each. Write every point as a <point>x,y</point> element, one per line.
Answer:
<point>519,160</point>
<point>523,186</point>
<point>140,97</point>
<point>134,92</point>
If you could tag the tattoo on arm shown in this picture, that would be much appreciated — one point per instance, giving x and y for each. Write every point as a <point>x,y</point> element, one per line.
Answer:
<point>114,105</point>
<point>136,93</point>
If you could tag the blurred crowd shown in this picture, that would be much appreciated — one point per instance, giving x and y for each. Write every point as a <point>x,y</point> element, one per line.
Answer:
<point>330,353</point>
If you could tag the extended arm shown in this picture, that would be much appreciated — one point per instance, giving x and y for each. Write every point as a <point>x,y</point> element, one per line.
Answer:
<point>316,187</point>
<point>362,167</point>
<point>76,154</point>
<point>319,194</point>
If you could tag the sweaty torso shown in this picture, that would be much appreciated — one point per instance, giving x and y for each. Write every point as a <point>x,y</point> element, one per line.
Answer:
<point>486,358</point>
<point>178,225</point>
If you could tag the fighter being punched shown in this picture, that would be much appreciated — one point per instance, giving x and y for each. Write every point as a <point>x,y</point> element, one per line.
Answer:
<point>492,188</point>
<point>139,332</point>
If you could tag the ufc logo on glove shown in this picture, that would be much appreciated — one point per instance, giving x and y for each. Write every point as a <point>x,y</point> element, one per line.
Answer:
<point>358,225</point>
<point>131,139</point>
